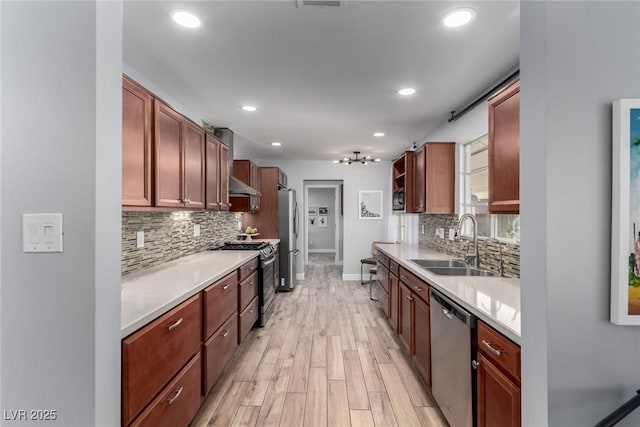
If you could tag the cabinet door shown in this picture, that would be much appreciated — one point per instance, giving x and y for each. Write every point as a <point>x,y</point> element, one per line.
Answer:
<point>255,183</point>
<point>193,167</point>
<point>168,132</point>
<point>393,301</point>
<point>498,397</point>
<point>421,335</point>
<point>137,105</point>
<point>212,184</point>
<point>504,150</point>
<point>405,301</point>
<point>440,178</point>
<point>224,176</point>
<point>419,177</point>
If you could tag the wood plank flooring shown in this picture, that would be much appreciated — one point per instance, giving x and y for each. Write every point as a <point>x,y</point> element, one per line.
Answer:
<point>327,357</point>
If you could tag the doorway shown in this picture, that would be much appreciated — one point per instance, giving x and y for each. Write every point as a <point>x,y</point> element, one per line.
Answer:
<point>323,222</point>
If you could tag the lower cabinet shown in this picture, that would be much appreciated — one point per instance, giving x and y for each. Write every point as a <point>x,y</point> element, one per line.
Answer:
<point>248,318</point>
<point>218,351</point>
<point>498,396</point>
<point>177,402</point>
<point>404,315</point>
<point>421,336</point>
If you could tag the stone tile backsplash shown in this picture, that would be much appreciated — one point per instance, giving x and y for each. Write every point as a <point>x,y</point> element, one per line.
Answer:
<point>169,235</point>
<point>489,253</point>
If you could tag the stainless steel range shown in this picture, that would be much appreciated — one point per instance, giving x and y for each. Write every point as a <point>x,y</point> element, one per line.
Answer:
<point>266,281</point>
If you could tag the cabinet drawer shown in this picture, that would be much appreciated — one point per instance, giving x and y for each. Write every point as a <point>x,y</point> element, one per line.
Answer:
<point>153,355</point>
<point>220,300</point>
<point>178,402</point>
<point>383,259</point>
<point>218,350</point>
<point>394,267</point>
<point>416,284</point>
<point>248,318</point>
<point>248,290</point>
<point>499,349</point>
<point>248,269</point>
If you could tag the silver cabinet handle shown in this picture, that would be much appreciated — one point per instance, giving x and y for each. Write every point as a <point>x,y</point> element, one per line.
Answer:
<point>175,324</point>
<point>251,282</point>
<point>403,277</point>
<point>417,288</point>
<point>176,394</point>
<point>475,364</point>
<point>225,333</point>
<point>225,287</point>
<point>491,349</point>
<point>409,298</point>
<point>251,311</point>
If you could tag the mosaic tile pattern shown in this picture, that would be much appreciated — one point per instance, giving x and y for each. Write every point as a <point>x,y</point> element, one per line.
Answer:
<point>169,235</point>
<point>489,252</point>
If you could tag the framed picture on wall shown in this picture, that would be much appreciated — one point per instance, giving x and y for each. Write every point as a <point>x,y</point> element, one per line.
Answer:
<point>323,210</point>
<point>625,213</point>
<point>322,221</point>
<point>370,204</point>
<point>313,210</point>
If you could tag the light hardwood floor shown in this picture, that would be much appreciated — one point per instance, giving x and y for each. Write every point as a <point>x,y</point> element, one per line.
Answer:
<point>327,357</point>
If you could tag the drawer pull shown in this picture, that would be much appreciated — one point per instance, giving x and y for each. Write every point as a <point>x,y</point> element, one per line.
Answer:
<point>409,298</point>
<point>403,277</point>
<point>226,333</point>
<point>176,394</point>
<point>491,349</point>
<point>225,287</point>
<point>251,311</point>
<point>175,324</point>
<point>417,288</point>
<point>251,282</point>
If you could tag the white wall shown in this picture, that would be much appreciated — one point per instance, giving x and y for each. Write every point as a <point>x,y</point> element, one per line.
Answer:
<point>322,238</point>
<point>61,89</point>
<point>358,234</point>
<point>576,59</point>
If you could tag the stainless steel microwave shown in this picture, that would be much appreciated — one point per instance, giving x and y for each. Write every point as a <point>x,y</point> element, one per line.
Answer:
<point>398,199</point>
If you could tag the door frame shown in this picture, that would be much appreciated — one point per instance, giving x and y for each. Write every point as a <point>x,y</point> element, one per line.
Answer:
<point>336,238</point>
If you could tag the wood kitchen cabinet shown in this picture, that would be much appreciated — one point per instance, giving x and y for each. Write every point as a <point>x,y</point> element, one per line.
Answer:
<point>393,300</point>
<point>137,110</point>
<point>247,172</point>
<point>498,379</point>
<point>419,177</point>
<point>414,324</point>
<point>404,181</point>
<point>266,219</point>
<point>439,177</point>
<point>504,150</point>
<point>217,174</point>
<point>180,160</point>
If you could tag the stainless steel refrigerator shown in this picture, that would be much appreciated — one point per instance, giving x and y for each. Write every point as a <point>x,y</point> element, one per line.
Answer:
<point>288,226</point>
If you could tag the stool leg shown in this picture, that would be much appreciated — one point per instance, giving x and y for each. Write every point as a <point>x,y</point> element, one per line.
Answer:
<point>362,282</point>
<point>370,285</point>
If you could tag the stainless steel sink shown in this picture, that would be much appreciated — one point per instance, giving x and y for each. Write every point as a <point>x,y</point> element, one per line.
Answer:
<point>460,271</point>
<point>429,263</point>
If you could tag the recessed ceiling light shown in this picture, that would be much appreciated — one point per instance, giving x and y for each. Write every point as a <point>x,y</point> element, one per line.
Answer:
<point>276,144</point>
<point>458,17</point>
<point>249,108</point>
<point>379,134</point>
<point>186,19</point>
<point>406,91</point>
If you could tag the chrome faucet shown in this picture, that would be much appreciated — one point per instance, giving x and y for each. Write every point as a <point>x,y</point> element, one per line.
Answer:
<point>473,257</point>
<point>501,263</point>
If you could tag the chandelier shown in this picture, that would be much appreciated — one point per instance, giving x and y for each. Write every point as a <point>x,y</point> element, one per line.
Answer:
<point>357,159</point>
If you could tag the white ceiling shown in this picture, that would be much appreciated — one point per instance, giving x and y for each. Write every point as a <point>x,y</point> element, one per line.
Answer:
<point>324,79</point>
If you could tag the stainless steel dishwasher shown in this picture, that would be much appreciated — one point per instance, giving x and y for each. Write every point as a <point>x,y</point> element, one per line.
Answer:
<point>451,373</point>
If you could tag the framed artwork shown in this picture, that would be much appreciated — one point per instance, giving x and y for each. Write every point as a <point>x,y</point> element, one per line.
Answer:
<point>313,210</point>
<point>323,210</point>
<point>370,204</point>
<point>322,221</point>
<point>625,214</point>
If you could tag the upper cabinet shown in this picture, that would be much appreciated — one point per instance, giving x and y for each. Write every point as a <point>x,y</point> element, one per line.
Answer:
<point>166,160</point>
<point>247,172</point>
<point>266,220</point>
<point>426,178</point>
<point>180,159</point>
<point>137,108</point>
<point>504,150</point>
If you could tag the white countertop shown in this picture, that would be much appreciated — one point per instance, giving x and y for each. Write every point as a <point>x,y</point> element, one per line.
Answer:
<point>494,300</point>
<point>147,294</point>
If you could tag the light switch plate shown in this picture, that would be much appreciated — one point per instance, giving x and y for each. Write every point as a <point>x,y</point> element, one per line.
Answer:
<point>140,239</point>
<point>196,230</point>
<point>42,232</point>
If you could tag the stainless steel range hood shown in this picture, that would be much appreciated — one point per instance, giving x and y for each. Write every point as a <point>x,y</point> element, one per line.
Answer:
<point>236,186</point>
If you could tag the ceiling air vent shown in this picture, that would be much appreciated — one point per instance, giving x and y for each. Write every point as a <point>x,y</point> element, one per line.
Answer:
<point>321,3</point>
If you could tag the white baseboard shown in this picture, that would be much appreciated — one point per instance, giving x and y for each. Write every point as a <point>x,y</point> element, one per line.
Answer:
<point>299,276</point>
<point>346,276</point>
<point>312,251</point>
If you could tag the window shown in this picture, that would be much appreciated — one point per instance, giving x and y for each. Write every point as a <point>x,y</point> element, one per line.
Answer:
<point>474,190</point>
